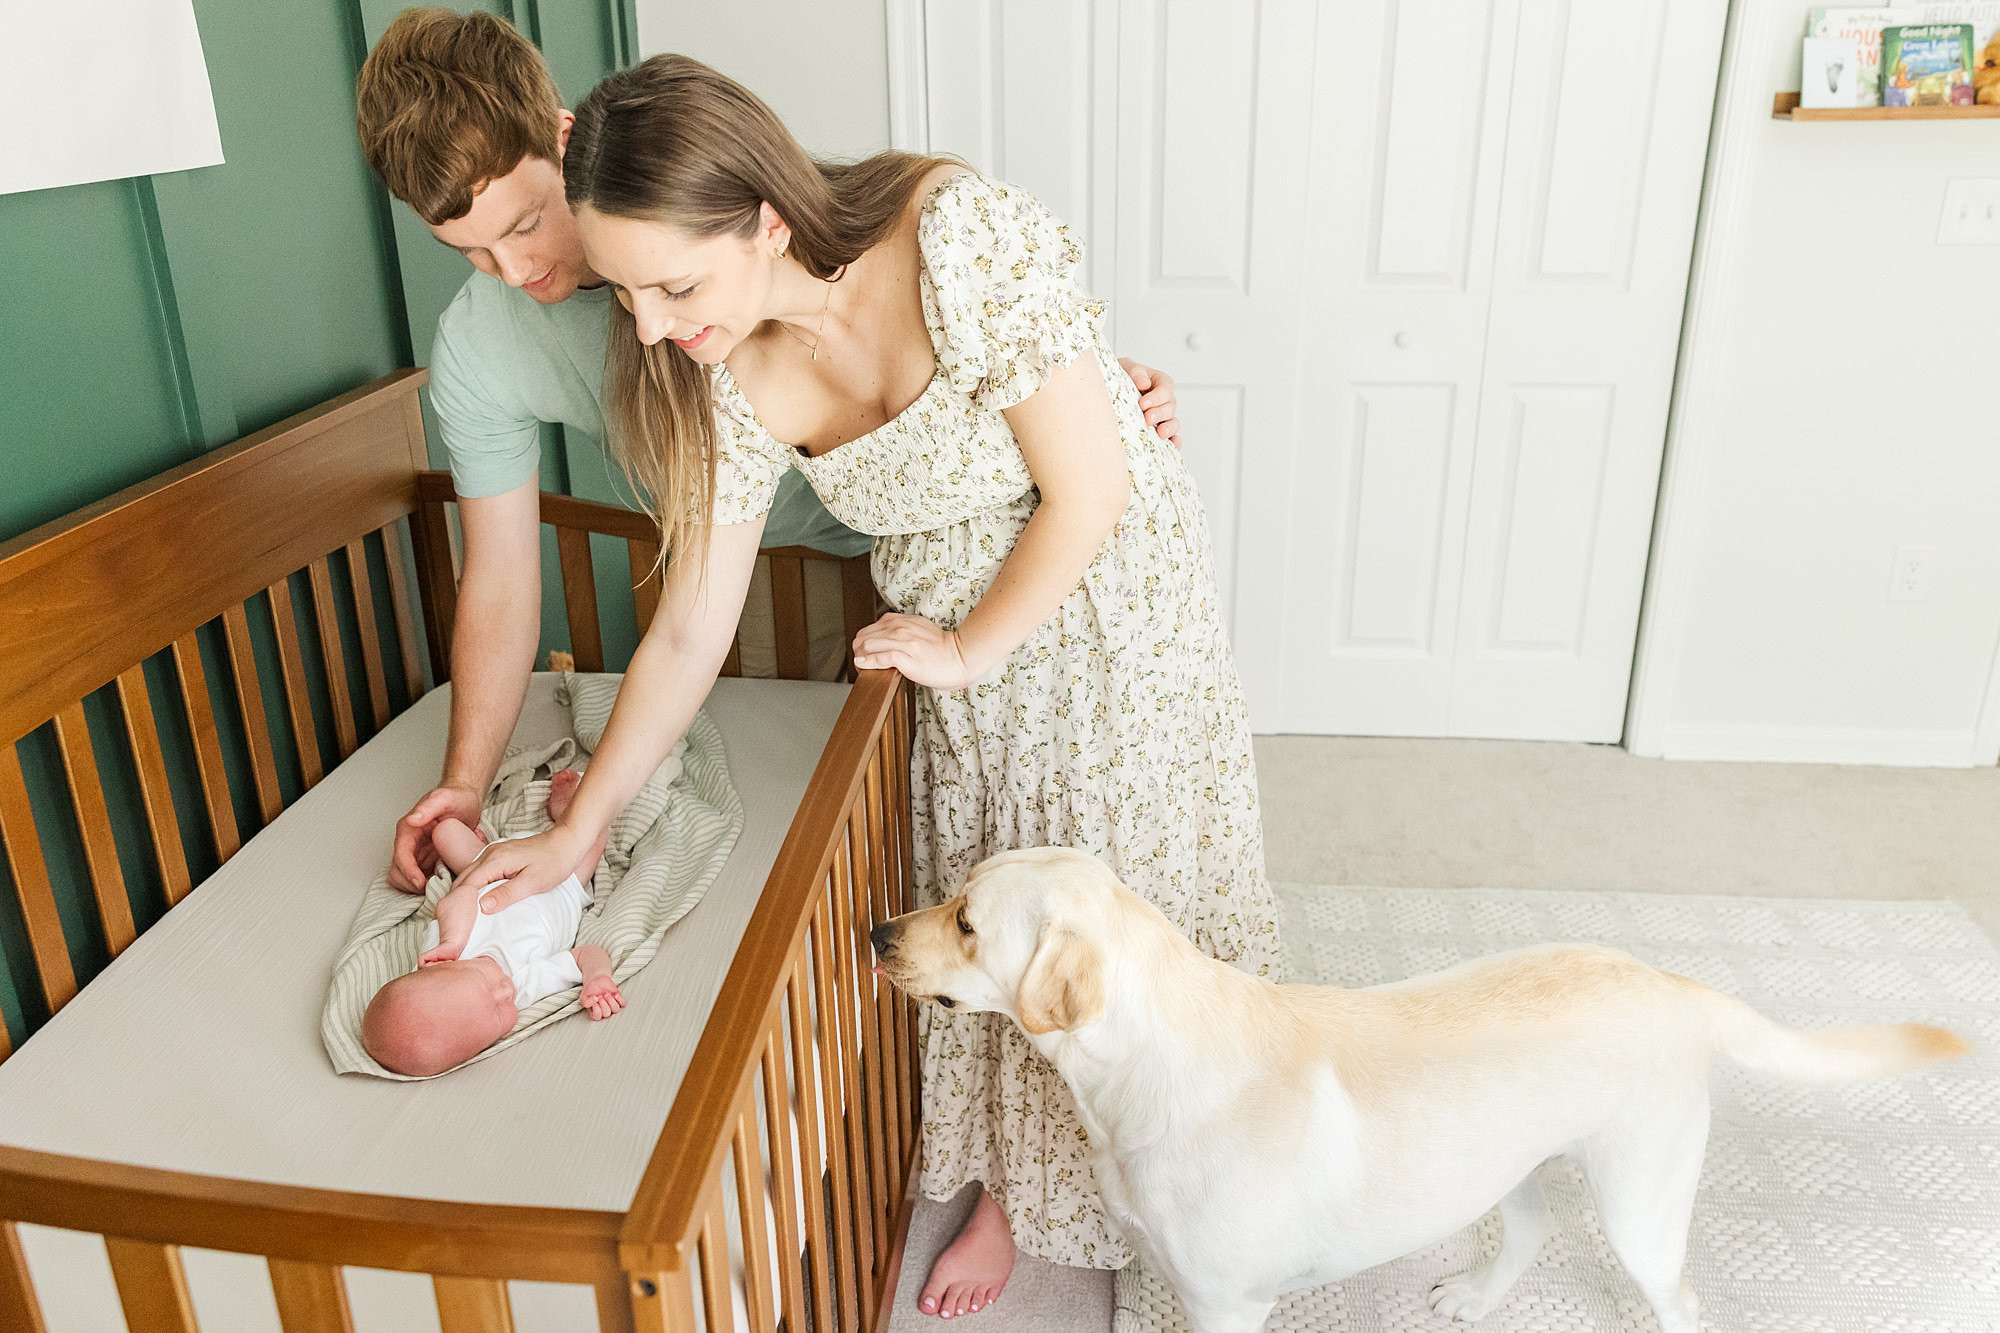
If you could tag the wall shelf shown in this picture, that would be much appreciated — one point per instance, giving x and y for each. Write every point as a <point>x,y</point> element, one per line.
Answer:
<point>1785,106</point>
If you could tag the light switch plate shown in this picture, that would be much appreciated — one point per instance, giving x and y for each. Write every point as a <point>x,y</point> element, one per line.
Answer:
<point>1971,213</point>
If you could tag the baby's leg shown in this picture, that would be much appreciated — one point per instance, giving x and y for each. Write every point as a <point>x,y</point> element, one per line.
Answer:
<point>458,844</point>
<point>562,791</point>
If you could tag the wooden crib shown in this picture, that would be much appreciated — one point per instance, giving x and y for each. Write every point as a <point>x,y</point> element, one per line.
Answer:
<point>802,1038</point>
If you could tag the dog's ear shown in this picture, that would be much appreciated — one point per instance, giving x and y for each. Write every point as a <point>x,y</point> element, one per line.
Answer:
<point>1063,987</point>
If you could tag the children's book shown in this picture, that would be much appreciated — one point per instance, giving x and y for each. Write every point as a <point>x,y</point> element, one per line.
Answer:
<point>1983,15</point>
<point>1864,28</point>
<point>1927,64</point>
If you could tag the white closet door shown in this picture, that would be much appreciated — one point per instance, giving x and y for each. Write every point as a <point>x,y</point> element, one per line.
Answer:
<point>1213,131</point>
<point>1407,132</point>
<point>1022,90</point>
<point>1607,137</point>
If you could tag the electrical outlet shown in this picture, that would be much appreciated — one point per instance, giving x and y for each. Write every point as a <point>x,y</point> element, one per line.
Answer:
<point>1910,577</point>
<point>1971,213</point>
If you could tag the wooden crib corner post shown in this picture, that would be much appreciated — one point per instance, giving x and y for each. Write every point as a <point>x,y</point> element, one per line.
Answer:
<point>660,1300</point>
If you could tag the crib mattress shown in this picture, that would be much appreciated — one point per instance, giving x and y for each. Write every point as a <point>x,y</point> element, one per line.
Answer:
<point>198,1049</point>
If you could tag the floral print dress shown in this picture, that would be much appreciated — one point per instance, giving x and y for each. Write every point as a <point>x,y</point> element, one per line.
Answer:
<point>1118,727</point>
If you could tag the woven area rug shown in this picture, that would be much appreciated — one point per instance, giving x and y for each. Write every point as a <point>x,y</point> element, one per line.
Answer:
<point>1868,1208</point>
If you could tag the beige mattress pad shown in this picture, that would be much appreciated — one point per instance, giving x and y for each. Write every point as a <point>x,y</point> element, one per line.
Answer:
<point>198,1048</point>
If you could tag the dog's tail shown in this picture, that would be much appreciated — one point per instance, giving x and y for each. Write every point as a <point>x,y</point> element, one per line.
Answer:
<point>1837,1055</point>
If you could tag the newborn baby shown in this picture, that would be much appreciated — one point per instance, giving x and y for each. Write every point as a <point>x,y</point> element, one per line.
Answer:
<point>480,969</point>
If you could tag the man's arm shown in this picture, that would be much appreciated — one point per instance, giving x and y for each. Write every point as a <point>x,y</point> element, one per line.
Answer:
<point>494,633</point>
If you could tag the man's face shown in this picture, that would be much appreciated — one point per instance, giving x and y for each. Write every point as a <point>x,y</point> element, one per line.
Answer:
<point>520,230</point>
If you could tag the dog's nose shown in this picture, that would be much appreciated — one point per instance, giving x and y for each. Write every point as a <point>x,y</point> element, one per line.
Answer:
<point>883,937</point>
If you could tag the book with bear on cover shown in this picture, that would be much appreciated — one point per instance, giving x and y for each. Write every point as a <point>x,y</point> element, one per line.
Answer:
<point>1927,64</point>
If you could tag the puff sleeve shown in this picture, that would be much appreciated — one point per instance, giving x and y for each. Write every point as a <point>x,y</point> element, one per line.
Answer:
<point>749,463</point>
<point>1003,275</point>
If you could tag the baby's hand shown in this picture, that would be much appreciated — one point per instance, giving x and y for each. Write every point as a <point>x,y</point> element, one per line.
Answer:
<point>601,997</point>
<point>454,917</point>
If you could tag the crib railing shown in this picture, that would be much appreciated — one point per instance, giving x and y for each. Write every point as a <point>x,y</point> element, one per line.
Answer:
<point>804,1041</point>
<point>188,595</point>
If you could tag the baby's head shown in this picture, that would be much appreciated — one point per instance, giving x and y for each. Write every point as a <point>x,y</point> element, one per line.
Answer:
<point>438,1017</point>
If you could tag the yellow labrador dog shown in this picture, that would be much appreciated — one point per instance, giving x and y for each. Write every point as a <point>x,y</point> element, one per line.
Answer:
<point>1254,1138</point>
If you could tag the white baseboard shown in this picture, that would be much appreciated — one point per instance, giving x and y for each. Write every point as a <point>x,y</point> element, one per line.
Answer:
<point>1823,745</point>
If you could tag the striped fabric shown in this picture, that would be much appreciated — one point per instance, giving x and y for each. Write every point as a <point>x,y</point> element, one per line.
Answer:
<point>663,852</point>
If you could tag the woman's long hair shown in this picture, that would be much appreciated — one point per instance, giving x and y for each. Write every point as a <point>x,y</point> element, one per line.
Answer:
<point>671,140</point>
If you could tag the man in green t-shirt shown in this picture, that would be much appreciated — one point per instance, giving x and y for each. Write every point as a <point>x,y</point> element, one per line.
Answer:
<point>460,118</point>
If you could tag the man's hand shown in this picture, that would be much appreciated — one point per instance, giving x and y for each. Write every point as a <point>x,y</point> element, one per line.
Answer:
<point>1156,399</point>
<point>412,858</point>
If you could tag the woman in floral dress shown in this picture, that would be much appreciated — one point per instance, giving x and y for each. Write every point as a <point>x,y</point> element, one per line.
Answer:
<point>910,335</point>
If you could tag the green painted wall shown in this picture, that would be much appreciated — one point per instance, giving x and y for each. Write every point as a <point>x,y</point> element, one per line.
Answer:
<point>149,320</point>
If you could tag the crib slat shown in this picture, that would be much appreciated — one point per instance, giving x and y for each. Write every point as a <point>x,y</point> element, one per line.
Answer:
<point>312,1298</point>
<point>473,1305</point>
<point>896,772</point>
<point>298,694</point>
<point>867,1167</point>
<point>151,1286</point>
<point>334,655</point>
<point>431,534</point>
<point>207,746</point>
<point>811,1162</point>
<point>399,600</point>
<point>714,1264</point>
<point>831,1058</point>
<point>250,697</point>
<point>788,616</point>
<point>857,604</point>
<point>18,1307</point>
<point>164,824</point>
<point>867,1010</point>
<point>100,850</point>
<point>586,640</point>
<point>644,558</point>
<point>778,1117</point>
<point>750,1213</point>
<point>31,883</point>
<point>371,636</point>
<point>614,1308</point>
<point>883,1087</point>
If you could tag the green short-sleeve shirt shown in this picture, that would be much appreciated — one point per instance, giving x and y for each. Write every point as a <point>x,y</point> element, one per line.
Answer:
<point>503,363</point>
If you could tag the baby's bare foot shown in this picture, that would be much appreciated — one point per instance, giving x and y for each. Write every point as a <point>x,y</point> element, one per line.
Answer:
<point>562,790</point>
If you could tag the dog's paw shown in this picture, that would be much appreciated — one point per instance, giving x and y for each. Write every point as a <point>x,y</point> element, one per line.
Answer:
<point>1462,1298</point>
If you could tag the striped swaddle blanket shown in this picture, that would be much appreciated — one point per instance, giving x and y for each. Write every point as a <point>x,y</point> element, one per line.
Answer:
<point>663,851</point>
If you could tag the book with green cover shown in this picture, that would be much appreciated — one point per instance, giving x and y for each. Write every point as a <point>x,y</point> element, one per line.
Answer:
<point>1927,64</point>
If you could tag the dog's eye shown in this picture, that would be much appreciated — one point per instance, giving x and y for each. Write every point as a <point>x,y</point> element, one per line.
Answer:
<point>964,926</point>
<point>947,1001</point>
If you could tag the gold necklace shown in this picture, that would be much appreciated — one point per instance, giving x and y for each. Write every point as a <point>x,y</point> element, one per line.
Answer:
<point>819,331</point>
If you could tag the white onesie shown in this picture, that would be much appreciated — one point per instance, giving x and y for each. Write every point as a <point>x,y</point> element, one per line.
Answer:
<point>531,940</point>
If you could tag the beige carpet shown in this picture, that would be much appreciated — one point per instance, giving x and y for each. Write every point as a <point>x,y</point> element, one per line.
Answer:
<point>1873,1206</point>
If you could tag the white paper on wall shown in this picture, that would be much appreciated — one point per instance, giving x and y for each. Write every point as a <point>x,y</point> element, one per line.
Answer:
<point>94,90</point>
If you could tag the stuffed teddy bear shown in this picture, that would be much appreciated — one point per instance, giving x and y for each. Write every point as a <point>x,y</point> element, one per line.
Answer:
<point>1986,76</point>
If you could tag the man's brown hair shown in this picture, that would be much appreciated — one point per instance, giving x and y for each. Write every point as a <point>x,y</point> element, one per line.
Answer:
<point>447,102</point>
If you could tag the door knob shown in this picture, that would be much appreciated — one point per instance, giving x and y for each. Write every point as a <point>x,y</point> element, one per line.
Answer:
<point>1197,340</point>
<point>1405,338</point>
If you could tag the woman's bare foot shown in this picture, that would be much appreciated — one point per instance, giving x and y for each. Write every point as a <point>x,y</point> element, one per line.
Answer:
<point>968,1276</point>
